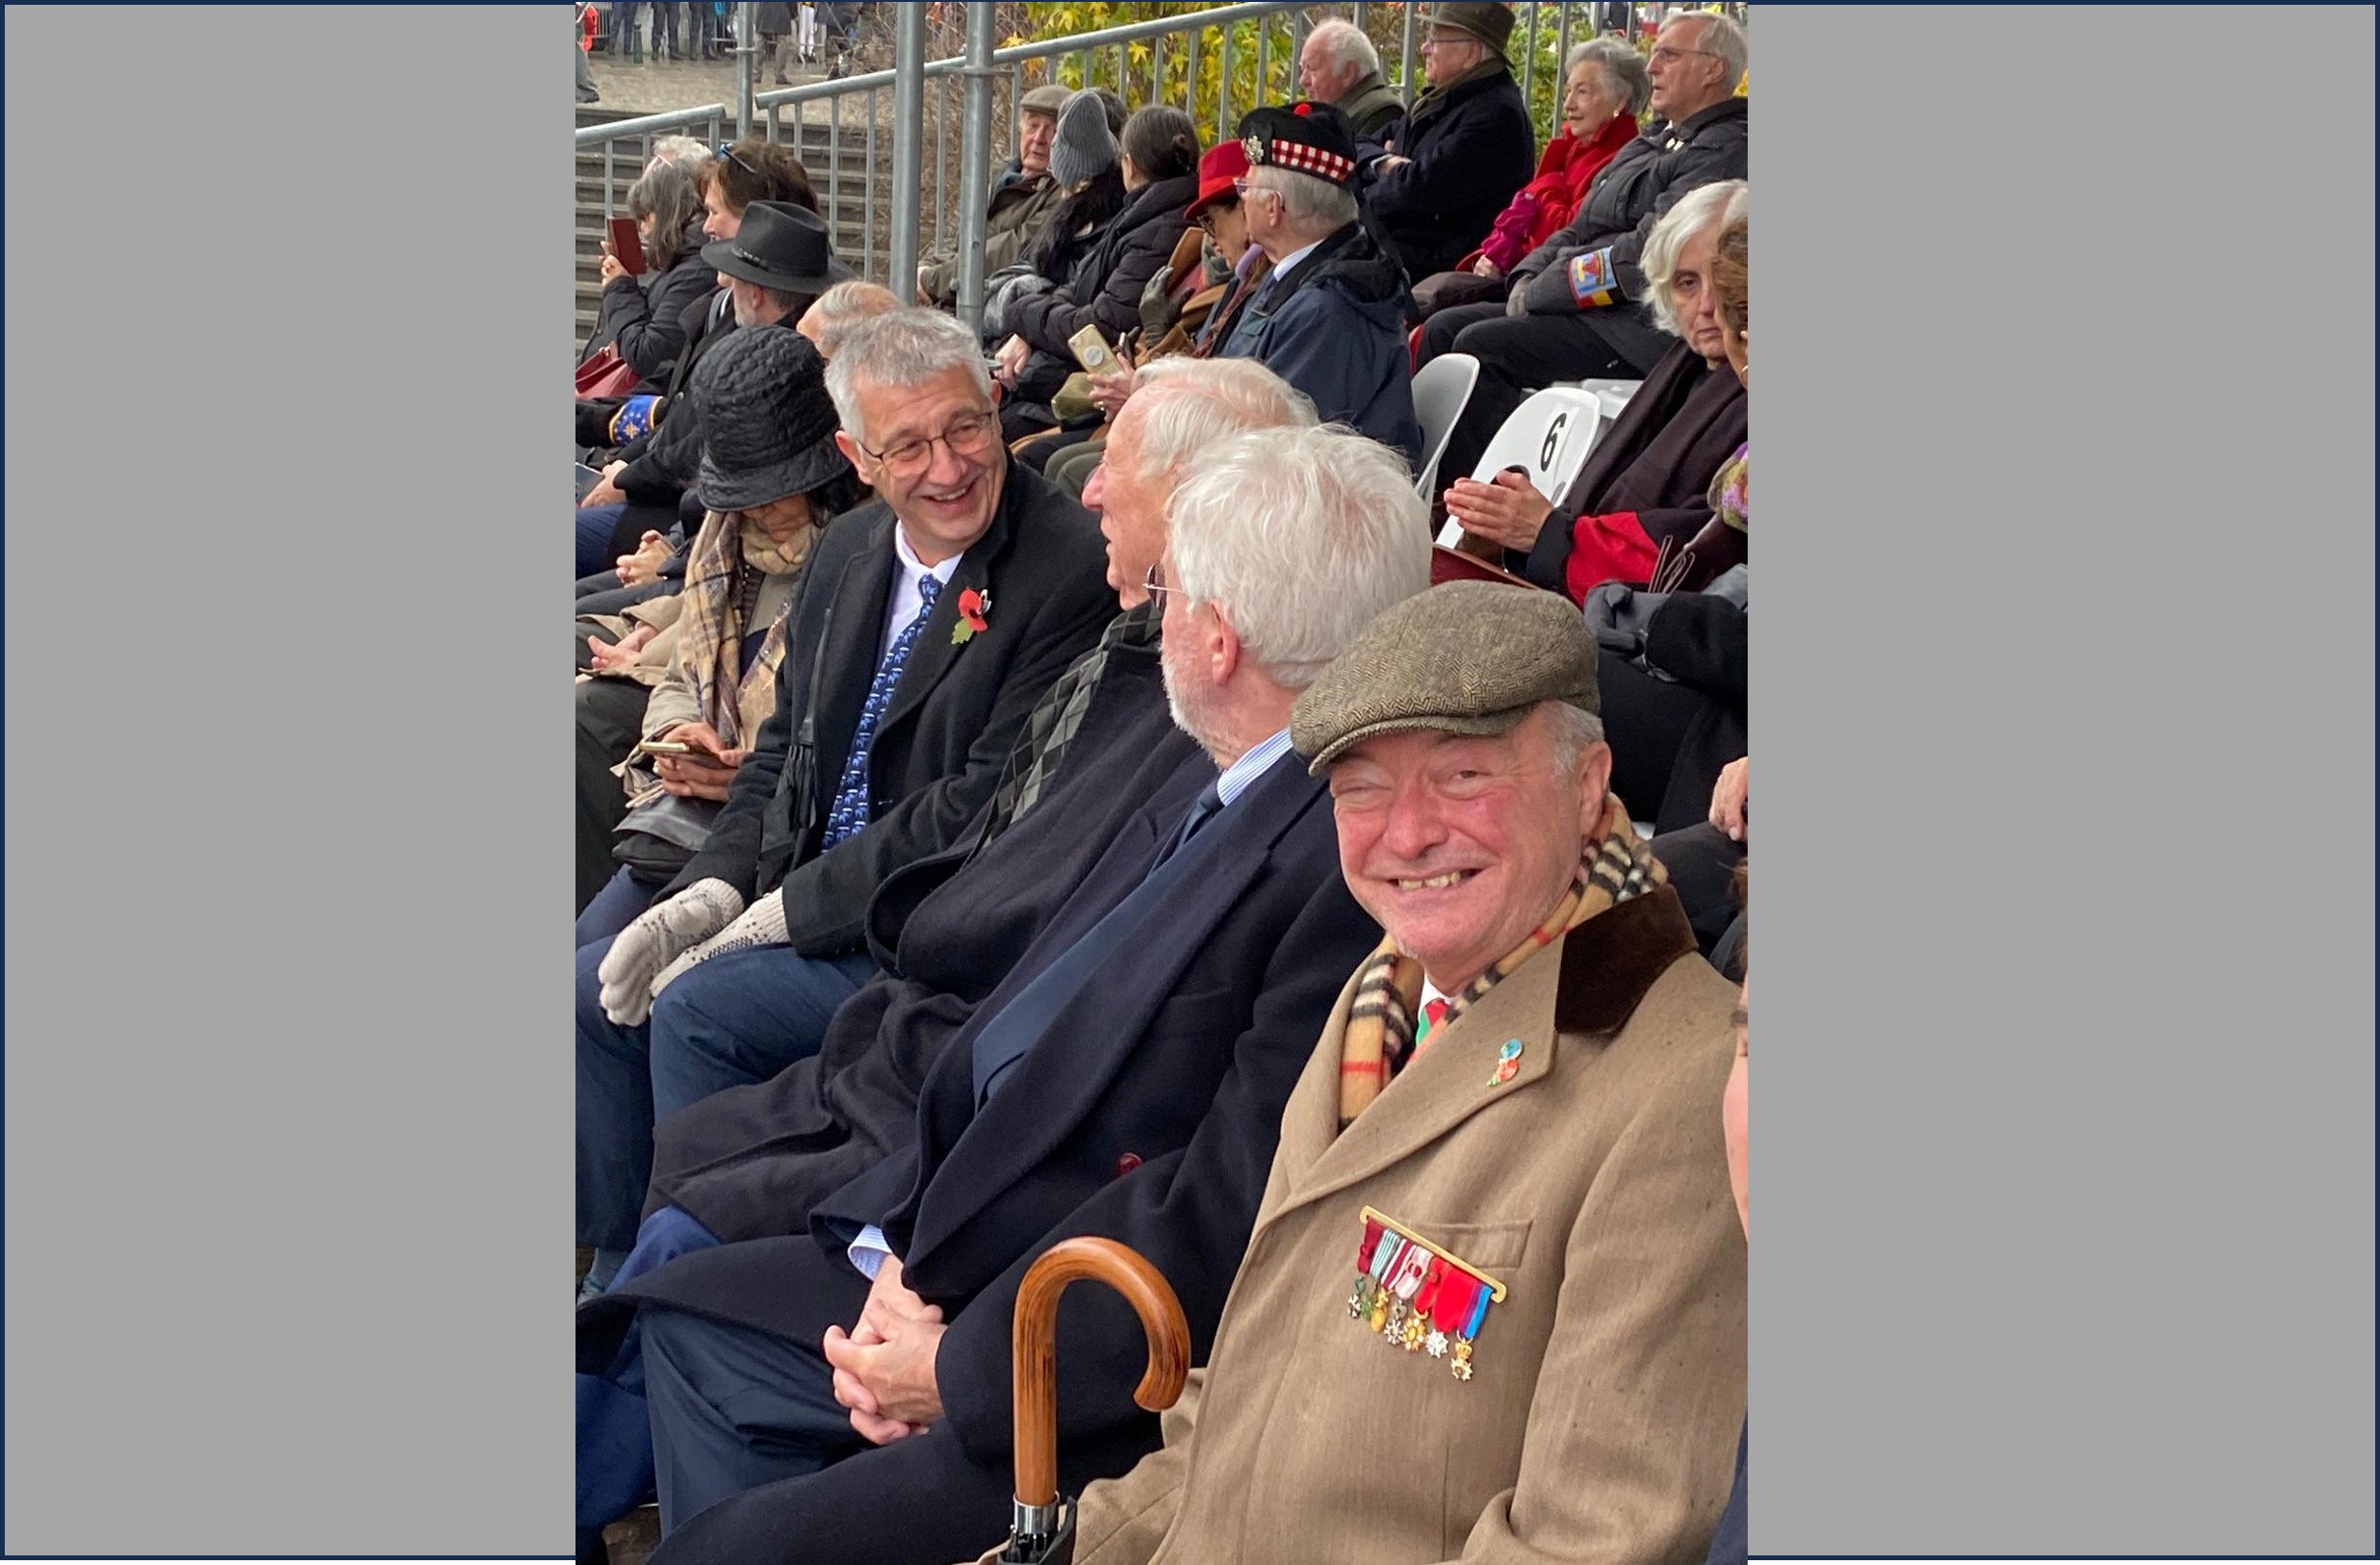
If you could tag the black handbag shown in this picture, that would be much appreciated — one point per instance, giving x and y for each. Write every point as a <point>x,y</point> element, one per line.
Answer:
<point>661,837</point>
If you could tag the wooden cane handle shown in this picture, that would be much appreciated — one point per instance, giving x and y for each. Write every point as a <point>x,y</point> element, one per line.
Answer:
<point>1036,1348</point>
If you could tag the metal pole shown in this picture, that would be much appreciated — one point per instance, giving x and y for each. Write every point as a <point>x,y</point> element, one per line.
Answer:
<point>1222,91</point>
<point>867,203</point>
<point>1404,78</point>
<point>909,113</point>
<point>1263,60</point>
<point>975,165</point>
<point>1561,64</point>
<point>747,47</point>
<point>1190,84</point>
<point>1528,71</point>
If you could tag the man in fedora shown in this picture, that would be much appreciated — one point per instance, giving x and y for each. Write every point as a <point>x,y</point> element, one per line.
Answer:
<point>1494,1300</point>
<point>1330,318</point>
<point>1454,162</point>
<point>779,260</point>
<point>1021,197</point>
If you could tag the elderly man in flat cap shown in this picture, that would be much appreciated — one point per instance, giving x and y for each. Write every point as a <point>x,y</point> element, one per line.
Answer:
<point>1493,1305</point>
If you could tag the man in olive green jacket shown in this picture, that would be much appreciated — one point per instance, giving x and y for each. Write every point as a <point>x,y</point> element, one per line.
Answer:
<point>1023,196</point>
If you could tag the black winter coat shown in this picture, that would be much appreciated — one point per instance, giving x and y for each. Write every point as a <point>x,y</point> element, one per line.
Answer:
<point>644,317</point>
<point>1147,1112</point>
<point>1629,196</point>
<point>753,1161</point>
<point>1106,286</point>
<point>1472,148</point>
<point>937,753</point>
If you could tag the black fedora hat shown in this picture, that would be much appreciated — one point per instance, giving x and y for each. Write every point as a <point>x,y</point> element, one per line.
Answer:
<point>780,245</point>
<point>768,425</point>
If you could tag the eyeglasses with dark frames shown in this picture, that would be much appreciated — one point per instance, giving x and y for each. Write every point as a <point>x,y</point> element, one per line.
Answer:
<point>968,436</point>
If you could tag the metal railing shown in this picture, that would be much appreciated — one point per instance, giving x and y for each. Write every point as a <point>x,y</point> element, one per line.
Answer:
<point>936,191</point>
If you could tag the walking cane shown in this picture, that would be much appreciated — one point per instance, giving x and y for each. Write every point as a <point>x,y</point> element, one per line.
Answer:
<point>1043,1530</point>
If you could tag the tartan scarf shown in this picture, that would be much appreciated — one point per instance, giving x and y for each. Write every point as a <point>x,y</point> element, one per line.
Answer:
<point>1378,1040</point>
<point>711,629</point>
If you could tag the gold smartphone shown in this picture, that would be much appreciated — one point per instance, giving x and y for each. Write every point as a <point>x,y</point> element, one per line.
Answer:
<point>1092,352</point>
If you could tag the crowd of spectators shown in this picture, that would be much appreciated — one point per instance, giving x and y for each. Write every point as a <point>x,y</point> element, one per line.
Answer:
<point>1030,787</point>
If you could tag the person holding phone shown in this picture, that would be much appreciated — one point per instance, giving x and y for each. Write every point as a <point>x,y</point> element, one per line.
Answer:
<point>770,477</point>
<point>639,315</point>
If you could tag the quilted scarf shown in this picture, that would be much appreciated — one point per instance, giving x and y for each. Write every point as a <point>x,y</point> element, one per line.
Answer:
<point>1379,1033</point>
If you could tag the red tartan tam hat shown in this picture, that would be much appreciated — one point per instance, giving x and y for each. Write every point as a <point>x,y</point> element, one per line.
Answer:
<point>1224,162</point>
<point>1304,137</point>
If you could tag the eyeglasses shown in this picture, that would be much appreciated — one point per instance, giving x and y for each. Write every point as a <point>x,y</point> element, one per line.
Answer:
<point>1206,219</point>
<point>1156,587</point>
<point>968,436</point>
<point>1245,186</point>
<point>1668,51</point>
<point>726,151</point>
<point>1446,40</point>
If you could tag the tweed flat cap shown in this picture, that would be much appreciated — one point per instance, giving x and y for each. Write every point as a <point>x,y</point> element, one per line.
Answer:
<point>1486,20</point>
<point>1463,657</point>
<point>1046,99</point>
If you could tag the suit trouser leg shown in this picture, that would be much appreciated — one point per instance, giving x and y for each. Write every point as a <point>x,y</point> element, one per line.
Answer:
<point>758,1012</point>
<point>734,1408</point>
<point>1518,354</point>
<point>615,1427</point>
<point>615,1115</point>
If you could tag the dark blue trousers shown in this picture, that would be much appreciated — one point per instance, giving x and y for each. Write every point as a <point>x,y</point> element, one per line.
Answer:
<point>737,1018</point>
<point>615,1432</point>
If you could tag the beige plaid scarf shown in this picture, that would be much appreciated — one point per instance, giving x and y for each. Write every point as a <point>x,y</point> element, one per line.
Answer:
<point>711,631</point>
<point>1379,1038</point>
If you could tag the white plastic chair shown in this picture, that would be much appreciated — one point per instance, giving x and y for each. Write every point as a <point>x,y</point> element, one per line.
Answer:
<point>1440,390</point>
<point>1613,394</point>
<point>1548,436</point>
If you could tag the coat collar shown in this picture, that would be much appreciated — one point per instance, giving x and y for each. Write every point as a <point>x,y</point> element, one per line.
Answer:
<point>1702,119</point>
<point>1566,1002</point>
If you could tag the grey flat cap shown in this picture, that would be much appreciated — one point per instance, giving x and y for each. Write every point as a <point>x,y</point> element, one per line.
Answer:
<point>1046,99</point>
<point>1463,657</point>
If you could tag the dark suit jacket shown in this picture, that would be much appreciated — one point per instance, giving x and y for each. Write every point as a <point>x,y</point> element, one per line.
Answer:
<point>937,753</point>
<point>1147,1112</point>
<point>752,1161</point>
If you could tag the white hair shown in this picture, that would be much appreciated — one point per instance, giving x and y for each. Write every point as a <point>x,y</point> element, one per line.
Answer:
<point>1706,206</point>
<point>1302,538</point>
<point>684,151</point>
<point>1343,44</point>
<point>1622,67</point>
<point>902,348</point>
<point>840,309</point>
<point>1573,730</point>
<point>1310,202</point>
<point>1721,36</point>
<point>1185,404</point>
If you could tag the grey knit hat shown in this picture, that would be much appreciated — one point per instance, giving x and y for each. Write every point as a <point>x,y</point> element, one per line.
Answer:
<point>1084,146</point>
<point>1463,657</point>
<point>768,425</point>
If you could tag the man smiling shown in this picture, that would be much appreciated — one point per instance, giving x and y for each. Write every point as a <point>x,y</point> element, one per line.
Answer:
<point>925,628</point>
<point>1493,1302</point>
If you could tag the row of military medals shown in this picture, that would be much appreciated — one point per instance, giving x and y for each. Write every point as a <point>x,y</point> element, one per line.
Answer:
<point>1416,1298</point>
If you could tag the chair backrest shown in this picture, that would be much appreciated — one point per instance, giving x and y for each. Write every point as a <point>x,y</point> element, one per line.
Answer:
<point>1548,436</point>
<point>1613,394</point>
<point>1440,390</point>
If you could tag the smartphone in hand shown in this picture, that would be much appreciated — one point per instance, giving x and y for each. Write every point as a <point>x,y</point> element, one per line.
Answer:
<point>627,248</point>
<point>1092,352</point>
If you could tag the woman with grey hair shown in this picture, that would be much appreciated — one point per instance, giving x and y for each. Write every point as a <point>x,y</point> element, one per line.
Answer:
<point>1646,486</point>
<point>640,315</point>
<point>1604,89</point>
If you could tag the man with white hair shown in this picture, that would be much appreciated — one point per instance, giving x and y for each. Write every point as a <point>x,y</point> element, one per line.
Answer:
<point>1493,1302</point>
<point>1122,1080</point>
<point>746,1144</point>
<point>1330,320</point>
<point>1339,66</point>
<point>1575,309</point>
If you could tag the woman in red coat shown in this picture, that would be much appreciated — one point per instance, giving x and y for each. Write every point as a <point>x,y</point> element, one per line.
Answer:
<point>1604,89</point>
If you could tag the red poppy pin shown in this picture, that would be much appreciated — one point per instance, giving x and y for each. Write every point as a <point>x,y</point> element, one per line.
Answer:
<point>974,614</point>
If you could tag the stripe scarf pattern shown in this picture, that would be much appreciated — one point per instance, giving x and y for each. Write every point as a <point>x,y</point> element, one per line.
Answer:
<point>1378,1041</point>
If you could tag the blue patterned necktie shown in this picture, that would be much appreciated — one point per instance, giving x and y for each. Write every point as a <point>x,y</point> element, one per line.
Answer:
<point>851,796</point>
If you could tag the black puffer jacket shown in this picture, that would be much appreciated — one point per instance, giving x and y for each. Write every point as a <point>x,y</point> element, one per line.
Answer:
<point>642,314</point>
<point>1105,289</point>
<point>1631,196</point>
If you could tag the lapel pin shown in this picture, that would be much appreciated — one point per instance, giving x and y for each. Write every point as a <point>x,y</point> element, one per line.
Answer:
<point>1507,1063</point>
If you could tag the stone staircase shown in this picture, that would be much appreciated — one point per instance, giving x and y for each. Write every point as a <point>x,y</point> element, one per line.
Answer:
<point>847,218</point>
